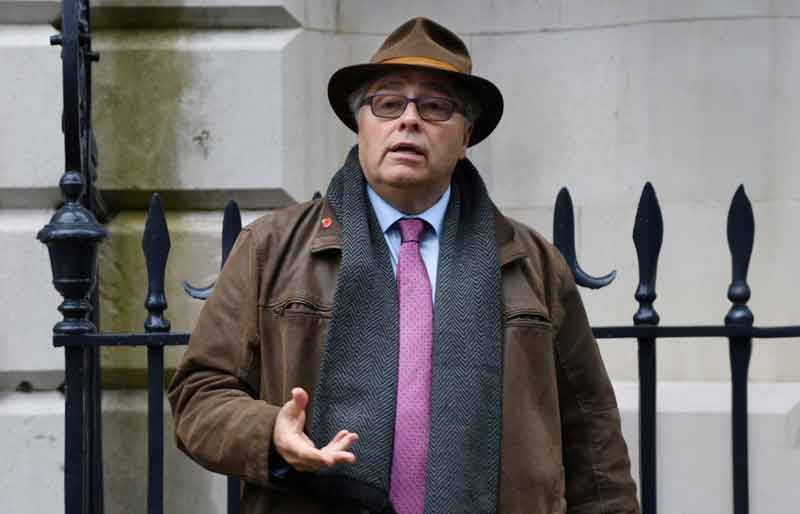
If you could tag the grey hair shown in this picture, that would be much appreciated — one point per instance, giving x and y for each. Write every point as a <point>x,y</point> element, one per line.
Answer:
<point>472,108</point>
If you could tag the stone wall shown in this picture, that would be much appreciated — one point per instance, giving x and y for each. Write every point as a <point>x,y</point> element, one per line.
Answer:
<point>205,100</point>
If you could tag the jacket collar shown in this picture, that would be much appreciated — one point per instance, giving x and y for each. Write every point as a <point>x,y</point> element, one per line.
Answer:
<point>328,230</point>
<point>509,248</point>
<point>328,235</point>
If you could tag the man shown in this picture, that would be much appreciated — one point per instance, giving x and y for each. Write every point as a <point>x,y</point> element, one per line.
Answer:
<point>400,346</point>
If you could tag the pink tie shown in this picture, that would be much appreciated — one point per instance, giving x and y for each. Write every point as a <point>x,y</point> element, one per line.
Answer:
<point>413,416</point>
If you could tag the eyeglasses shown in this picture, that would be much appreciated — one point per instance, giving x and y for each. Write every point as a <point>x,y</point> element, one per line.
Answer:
<point>430,108</point>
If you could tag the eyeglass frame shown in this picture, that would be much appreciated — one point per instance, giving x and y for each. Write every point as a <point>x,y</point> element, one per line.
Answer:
<point>457,107</point>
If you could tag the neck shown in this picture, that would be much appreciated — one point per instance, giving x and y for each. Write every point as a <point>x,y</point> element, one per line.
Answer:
<point>410,202</point>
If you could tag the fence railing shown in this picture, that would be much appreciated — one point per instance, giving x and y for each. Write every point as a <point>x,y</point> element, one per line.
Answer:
<point>73,235</point>
<point>156,335</point>
<point>647,237</point>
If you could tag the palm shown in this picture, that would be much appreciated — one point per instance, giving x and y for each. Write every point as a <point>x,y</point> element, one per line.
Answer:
<point>294,445</point>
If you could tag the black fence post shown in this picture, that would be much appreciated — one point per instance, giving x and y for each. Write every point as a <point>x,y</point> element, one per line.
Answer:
<point>741,234</point>
<point>648,233</point>
<point>156,245</point>
<point>72,237</point>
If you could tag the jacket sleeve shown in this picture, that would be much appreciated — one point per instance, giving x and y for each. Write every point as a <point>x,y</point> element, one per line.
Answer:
<point>596,462</point>
<point>219,420</point>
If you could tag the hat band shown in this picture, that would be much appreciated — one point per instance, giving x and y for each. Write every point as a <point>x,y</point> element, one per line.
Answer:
<point>422,61</point>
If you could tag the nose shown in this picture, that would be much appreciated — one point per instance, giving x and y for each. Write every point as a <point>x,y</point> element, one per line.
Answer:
<point>410,116</point>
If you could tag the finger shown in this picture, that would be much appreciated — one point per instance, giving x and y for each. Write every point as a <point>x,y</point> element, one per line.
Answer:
<point>314,459</point>
<point>302,465</point>
<point>340,435</point>
<point>336,458</point>
<point>300,396</point>
<point>342,443</point>
<point>297,404</point>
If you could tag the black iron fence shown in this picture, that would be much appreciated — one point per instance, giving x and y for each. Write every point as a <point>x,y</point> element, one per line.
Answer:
<point>156,335</point>
<point>73,235</point>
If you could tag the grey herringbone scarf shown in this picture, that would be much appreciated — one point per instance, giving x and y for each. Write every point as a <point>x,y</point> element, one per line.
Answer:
<point>358,378</point>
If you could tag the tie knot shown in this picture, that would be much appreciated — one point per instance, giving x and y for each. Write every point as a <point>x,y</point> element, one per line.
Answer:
<point>411,229</point>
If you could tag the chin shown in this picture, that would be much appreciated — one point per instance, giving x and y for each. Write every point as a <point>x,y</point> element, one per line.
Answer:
<point>405,175</point>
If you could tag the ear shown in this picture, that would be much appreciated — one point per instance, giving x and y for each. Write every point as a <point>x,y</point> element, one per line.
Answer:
<point>465,142</point>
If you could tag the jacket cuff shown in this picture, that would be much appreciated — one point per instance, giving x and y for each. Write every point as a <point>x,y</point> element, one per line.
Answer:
<point>257,469</point>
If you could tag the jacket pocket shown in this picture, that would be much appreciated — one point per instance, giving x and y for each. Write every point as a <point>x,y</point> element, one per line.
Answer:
<point>300,306</point>
<point>526,317</point>
<point>293,331</point>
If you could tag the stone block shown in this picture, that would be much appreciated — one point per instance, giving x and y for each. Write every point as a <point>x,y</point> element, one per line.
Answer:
<point>29,12</point>
<point>204,110</point>
<point>783,160</point>
<point>694,445</point>
<point>194,257</point>
<point>687,105</point>
<point>320,14</point>
<point>588,14</point>
<point>317,141</point>
<point>785,8</point>
<point>774,283</point>
<point>33,464</point>
<point>538,218</point>
<point>188,488</point>
<point>30,300</point>
<point>513,16</point>
<point>462,17</point>
<point>32,446</point>
<point>31,142</point>
<point>196,13</point>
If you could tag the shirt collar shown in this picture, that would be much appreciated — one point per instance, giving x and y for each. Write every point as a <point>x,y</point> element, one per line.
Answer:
<point>388,215</point>
<point>329,233</point>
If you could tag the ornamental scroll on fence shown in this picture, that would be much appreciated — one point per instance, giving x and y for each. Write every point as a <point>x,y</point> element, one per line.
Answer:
<point>73,234</point>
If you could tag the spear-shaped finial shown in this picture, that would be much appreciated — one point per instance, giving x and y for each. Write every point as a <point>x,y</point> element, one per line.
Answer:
<point>648,234</point>
<point>155,244</point>
<point>741,234</point>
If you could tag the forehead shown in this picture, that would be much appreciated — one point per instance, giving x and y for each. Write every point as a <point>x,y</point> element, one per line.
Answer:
<point>413,79</point>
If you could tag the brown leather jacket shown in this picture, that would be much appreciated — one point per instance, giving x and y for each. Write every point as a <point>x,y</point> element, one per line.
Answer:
<point>262,332</point>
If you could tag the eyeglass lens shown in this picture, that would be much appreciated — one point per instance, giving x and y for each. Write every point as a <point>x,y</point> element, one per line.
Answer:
<point>430,108</point>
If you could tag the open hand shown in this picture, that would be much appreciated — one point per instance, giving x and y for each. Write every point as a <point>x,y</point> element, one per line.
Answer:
<point>298,449</point>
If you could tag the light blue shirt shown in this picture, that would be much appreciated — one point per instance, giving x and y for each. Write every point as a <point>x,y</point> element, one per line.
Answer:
<point>428,246</point>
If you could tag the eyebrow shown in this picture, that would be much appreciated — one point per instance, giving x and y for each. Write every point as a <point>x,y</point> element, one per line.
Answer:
<point>433,86</point>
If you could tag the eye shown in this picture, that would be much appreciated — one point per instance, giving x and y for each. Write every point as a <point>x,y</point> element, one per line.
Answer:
<point>389,103</point>
<point>436,107</point>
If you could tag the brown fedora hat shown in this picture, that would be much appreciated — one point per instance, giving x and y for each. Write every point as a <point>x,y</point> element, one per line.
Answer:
<point>422,44</point>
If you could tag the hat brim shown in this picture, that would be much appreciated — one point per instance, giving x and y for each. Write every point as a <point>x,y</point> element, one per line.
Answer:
<point>348,79</point>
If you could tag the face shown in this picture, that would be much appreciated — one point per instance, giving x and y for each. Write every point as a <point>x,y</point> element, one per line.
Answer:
<point>409,157</point>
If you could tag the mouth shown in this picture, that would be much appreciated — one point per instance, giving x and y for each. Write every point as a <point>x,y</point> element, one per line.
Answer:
<point>409,149</point>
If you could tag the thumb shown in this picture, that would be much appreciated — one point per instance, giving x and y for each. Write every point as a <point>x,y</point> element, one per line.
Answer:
<point>297,405</point>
